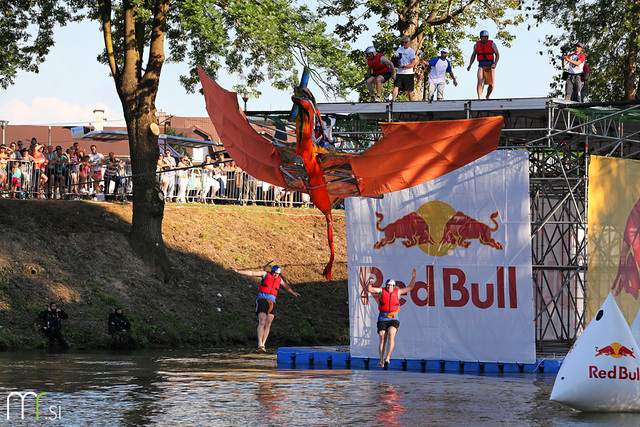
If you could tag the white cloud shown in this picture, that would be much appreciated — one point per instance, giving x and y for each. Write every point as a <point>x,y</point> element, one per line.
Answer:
<point>54,111</point>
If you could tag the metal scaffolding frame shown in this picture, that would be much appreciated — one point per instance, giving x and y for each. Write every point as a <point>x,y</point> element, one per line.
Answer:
<point>559,136</point>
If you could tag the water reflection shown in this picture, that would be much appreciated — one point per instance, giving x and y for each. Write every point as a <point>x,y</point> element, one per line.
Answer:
<point>230,388</point>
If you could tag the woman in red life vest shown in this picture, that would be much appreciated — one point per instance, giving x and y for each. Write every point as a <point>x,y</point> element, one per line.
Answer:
<point>488,57</point>
<point>389,306</point>
<point>379,70</point>
<point>266,301</point>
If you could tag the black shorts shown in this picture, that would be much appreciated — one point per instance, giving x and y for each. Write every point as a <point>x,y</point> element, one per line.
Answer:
<point>386,76</point>
<point>263,305</point>
<point>384,325</point>
<point>404,82</point>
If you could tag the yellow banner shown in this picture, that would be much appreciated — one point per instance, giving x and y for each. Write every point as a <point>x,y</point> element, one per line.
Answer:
<point>613,234</point>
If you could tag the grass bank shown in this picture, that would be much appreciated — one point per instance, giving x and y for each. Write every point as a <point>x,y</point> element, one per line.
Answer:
<point>76,253</point>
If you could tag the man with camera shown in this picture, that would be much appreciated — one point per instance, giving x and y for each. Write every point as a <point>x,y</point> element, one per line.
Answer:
<point>404,59</point>
<point>52,323</point>
<point>575,61</point>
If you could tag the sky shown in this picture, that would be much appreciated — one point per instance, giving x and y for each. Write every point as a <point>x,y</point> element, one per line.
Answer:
<point>71,83</point>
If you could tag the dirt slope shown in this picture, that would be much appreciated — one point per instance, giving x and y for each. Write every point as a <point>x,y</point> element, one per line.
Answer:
<point>76,253</point>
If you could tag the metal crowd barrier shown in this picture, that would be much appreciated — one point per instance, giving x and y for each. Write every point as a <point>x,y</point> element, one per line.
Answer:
<point>236,187</point>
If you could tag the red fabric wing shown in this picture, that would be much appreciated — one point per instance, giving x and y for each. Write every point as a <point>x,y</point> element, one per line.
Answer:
<point>411,153</point>
<point>255,155</point>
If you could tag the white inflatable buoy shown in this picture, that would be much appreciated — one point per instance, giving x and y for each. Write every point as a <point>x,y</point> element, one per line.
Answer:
<point>601,372</point>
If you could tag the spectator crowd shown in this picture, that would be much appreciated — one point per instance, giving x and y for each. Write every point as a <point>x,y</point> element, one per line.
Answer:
<point>34,171</point>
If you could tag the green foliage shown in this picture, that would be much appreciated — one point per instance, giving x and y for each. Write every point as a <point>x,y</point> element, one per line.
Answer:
<point>26,34</point>
<point>270,39</point>
<point>609,32</point>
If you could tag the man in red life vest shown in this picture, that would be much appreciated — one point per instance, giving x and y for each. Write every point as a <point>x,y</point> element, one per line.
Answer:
<point>488,57</point>
<point>389,306</point>
<point>379,70</point>
<point>266,301</point>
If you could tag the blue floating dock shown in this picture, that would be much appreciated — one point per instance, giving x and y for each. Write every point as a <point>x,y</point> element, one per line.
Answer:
<point>340,358</point>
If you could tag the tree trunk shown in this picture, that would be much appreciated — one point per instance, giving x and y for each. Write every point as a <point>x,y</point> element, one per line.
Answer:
<point>145,236</point>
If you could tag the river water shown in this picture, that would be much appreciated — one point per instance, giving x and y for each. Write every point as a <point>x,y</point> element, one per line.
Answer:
<point>240,388</point>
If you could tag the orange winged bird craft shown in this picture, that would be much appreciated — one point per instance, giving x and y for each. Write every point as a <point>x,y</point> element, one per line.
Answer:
<point>408,154</point>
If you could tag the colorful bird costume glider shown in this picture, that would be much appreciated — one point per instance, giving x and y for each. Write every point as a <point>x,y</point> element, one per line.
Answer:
<point>408,154</point>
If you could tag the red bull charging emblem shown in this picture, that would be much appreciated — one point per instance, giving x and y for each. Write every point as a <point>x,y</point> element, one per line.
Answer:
<point>616,350</point>
<point>437,229</point>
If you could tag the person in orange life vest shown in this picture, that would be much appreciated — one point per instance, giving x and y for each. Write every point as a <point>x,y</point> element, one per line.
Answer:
<point>266,301</point>
<point>488,57</point>
<point>379,70</point>
<point>389,306</point>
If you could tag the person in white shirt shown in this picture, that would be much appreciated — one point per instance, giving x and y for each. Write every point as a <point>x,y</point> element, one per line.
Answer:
<point>406,59</point>
<point>96,160</point>
<point>438,67</point>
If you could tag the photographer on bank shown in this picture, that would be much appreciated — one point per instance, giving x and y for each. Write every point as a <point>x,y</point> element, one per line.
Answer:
<point>52,324</point>
<point>119,327</point>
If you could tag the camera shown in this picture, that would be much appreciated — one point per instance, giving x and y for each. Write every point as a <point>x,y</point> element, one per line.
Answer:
<point>395,60</point>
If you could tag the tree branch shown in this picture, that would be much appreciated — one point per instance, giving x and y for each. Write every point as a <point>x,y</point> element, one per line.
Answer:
<point>104,7</point>
<point>156,48</point>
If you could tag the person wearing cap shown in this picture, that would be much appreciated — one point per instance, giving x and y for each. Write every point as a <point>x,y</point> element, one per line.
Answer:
<point>575,64</point>
<point>437,68</point>
<point>379,70</point>
<point>488,57</point>
<point>406,58</point>
<point>389,306</point>
<point>52,324</point>
<point>266,301</point>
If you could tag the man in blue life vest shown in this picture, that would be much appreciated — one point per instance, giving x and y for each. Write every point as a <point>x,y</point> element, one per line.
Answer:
<point>379,70</point>
<point>488,57</point>
<point>389,306</point>
<point>266,301</point>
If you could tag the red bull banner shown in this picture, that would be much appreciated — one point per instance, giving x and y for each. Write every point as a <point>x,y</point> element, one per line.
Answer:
<point>613,235</point>
<point>468,236</point>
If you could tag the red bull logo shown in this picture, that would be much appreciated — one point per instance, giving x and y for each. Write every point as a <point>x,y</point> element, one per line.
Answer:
<point>437,229</point>
<point>616,350</point>
<point>451,288</point>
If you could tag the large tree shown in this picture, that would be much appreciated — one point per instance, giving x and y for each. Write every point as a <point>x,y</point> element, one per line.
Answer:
<point>266,39</point>
<point>610,33</point>
<point>430,24</point>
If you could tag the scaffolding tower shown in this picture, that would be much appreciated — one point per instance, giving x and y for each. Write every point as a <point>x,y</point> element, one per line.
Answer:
<point>559,136</point>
